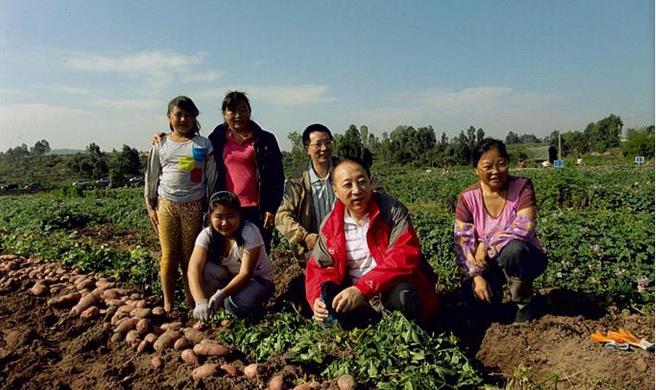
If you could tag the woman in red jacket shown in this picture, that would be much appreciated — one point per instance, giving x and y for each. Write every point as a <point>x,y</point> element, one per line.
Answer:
<point>368,258</point>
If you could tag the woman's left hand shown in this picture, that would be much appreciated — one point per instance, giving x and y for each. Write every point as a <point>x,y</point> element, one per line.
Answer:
<point>268,220</point>
<point>348,299</point>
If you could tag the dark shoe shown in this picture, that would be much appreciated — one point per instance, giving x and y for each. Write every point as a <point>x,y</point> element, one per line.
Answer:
<point>524,316</point>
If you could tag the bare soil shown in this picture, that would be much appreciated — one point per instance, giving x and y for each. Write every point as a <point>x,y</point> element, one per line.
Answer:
<point>44,347</point>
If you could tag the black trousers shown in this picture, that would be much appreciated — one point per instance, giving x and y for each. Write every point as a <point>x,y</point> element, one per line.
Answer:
<point>254,215</point>
<point>402,297</point>
<point>518,264</point>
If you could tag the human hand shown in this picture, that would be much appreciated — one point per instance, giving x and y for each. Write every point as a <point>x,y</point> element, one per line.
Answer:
<point>154,221</point>
<point>157,139</point>
<point>216,300</point>
<point>348,299</point>
<point>482,290</point>
<point>480,258</point>
<point>311,240</point>
<point>268,220</point>
<point>202,310</point>
<point>320,310</point>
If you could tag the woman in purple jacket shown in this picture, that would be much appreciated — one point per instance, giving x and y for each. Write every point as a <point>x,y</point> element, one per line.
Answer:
<point>495,231</point>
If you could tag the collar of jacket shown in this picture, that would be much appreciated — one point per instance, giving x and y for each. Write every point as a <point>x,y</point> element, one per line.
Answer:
<point>336,219</point>
<point>222,129</point>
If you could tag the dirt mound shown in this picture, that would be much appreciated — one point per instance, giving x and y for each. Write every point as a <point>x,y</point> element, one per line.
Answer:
<point>44,346</point>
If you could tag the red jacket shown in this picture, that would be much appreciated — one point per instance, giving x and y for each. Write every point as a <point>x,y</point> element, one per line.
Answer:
<point>393,244</point>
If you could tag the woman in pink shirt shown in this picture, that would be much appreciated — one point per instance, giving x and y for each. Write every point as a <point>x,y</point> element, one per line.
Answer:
<point>495,231</point>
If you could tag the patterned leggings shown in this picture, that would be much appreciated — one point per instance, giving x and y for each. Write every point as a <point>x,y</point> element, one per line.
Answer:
<point>179,225</point>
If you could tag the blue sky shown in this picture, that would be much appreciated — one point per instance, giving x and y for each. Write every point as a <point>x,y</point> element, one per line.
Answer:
<point>75,72</point>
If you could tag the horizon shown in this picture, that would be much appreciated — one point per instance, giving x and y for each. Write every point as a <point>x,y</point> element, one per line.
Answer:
<point>75,73</point>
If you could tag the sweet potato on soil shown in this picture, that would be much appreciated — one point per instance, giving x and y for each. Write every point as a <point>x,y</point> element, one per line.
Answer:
<point>166,340</point>
<point>210,349</point>
<point>204,371</point>
<point>131,336</point>
<point>65,300</point>
<point>156,361</point>
<point>188,356</point>
<point>346,382</point>
<point>144,346</point>
<point>114,293</point>
<point>143,312</point>
<point>276,383</point>
<point>143,326</point>
<point>158,311</point>
<point>193,335</point>
<point>39,289</point>
<point>253,370</point>
<point>182,343</point>
<point>171,326</point>
<point>229,369</point>
<point>91,299</point>
<point>151,337</point>
<point>126,325</point>
<point>90,312</point>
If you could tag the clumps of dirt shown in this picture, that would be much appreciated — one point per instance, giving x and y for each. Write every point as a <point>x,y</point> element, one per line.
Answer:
<point>120,239</point>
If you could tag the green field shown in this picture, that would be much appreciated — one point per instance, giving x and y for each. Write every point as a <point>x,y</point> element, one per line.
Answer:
<point>597,224</point>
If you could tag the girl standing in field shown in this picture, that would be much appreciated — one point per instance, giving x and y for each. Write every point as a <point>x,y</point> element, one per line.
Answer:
<point>177,177</point>
<point>229,266</point>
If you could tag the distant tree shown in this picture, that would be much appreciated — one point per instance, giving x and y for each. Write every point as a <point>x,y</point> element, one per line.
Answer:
<point>574,142</point>
<point>512,138</point>
<point>40,148</point>
<point>124,164</point>
<point>364,134</point>
<point>92,164</point>
<point>528,139</point>
<point>18,151</point>
<point>605,133</point>
<point>639,142</point>
<point>297,157</point>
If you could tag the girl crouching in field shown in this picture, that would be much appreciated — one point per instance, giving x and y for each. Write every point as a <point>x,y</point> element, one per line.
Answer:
<point>177,177</point>
<point>229,264</point>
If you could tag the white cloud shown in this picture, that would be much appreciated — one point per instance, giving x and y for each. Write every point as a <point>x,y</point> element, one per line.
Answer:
<point>143,62</point>
<point>11,91</point>
<point>139,104</point>
<point>202,76</point>
<point>280,96</point>
<point>67,89</point>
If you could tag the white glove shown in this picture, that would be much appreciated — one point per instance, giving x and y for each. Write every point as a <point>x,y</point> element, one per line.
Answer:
<point>202,310</point>
<point>216,301</point>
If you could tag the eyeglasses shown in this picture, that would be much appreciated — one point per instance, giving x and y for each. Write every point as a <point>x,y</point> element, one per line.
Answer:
<point>319,145</point>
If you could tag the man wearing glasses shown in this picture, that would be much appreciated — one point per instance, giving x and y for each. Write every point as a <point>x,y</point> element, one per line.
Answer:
<point>309,196</point>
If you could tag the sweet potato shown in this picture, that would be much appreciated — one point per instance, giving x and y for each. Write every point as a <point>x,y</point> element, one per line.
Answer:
<point>90,312</point>
<point>229,369</point>
<point>303,386</point>
<point>91,299</point>
<point>141,304</point>
<point>131,336</point>
<point>276,383</point>
<point>151,337</point>
<point>158,311</point>
<point>144,346</point>
<point>143,326</point>
<point>117,337</point>
<point>193,335</point>
<point>65,300</point>
<point>104,284</point>
<point>188,356</point>
<point>39,289</point>
<point>253,370</point>
<point>182,343</point>
<point>113,302</point>
<point>204,371</point>
<point>199,325</point>
<point>171,326</point>
<point>156,361</point>
<point>210,349</point>
<point>141,312</point>
<point>114,293</point>
<point>126,325</point>
<point>166,340</point>
<point>85,284</point>
<point>346,382</point>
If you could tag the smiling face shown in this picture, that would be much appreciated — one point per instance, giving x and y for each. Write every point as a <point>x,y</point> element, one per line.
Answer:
<point>492,169</point>
<point>320,148</point>
<point>352,187</point>
<point>181,121</point>
<point>237,116</point>
<point>225,220</point>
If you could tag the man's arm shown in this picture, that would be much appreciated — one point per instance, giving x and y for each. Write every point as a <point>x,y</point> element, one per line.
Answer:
<point>286,222</point>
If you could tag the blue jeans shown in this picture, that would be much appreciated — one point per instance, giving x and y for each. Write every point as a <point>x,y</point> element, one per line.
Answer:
<point>247,302</point>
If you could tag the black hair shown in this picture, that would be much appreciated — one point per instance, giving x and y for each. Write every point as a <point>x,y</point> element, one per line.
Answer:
<point>187,105</point>
<point>486,145</point>
<point>217,241</point>
<point>232,98</point>
<point>331,176</point>
<point>311,129</point>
